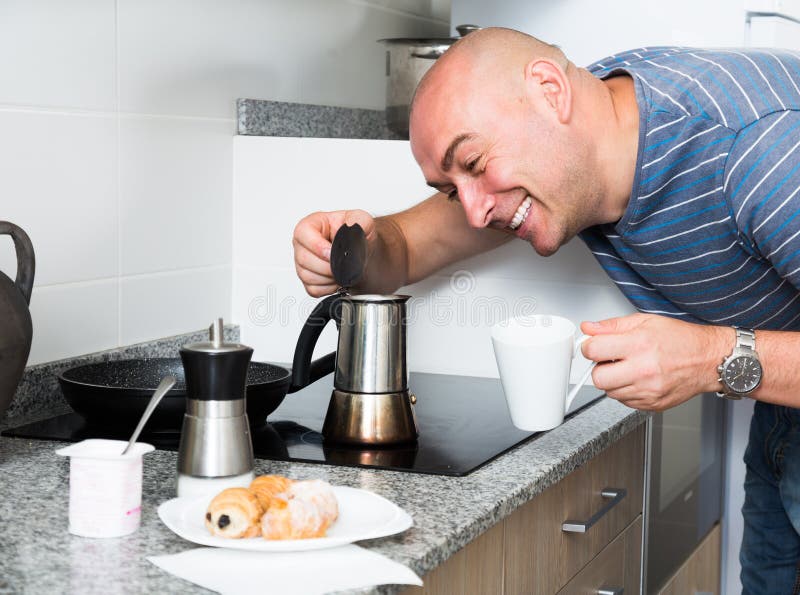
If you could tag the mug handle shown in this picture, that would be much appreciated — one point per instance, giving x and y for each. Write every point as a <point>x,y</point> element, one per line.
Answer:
<point>586,375</point>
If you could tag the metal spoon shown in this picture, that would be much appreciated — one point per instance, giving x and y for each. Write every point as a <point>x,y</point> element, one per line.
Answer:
<point>167,383</point>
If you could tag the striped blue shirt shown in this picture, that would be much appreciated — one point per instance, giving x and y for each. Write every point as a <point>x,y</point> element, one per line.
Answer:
<point>712,229</point>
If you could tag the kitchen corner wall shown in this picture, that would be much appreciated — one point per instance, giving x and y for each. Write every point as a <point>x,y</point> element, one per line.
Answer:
<point>116,130</point>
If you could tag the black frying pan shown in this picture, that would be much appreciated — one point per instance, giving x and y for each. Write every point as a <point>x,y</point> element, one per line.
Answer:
<point>116,392</point>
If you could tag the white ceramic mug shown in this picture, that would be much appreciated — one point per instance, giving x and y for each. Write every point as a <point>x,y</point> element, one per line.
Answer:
<point>534,356</point>
<point>105,487</point>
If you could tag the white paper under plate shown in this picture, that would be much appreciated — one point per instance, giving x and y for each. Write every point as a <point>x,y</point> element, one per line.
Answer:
<point>362,515</point>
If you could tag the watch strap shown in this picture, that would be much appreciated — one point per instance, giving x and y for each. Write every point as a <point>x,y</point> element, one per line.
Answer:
<point>745,345</point>
<point>746,339</point>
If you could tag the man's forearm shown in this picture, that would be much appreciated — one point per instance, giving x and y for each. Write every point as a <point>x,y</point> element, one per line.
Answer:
<point>417,242</point>
<point>779,352</point>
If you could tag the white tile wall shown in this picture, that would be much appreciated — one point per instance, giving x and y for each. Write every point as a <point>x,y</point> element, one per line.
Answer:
<point>450,316</point>
<point>270,306</point>
<point>165,304</point>
<point>116,130</point>
<point>73,318</point>
<point>437,9</point>
<point>58,181</point>
<point>279,180</point>
<point>711,23</point>
<point>59,54</point>
<point>197,62</point>
<point>175,193</point>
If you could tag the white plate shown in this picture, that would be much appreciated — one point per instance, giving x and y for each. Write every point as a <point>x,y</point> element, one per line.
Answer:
<point>362,515</point>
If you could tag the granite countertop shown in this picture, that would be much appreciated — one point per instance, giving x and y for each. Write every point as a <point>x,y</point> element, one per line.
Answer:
<point>38,555</point>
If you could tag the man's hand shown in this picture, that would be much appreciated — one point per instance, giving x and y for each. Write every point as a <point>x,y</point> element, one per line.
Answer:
<point>653,362</point>
<point>312,240</point>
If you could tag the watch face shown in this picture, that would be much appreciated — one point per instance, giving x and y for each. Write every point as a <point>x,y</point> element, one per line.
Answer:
<point>742,374</point>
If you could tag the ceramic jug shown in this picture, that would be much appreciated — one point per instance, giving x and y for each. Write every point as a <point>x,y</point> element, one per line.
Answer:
<point>16,330</point>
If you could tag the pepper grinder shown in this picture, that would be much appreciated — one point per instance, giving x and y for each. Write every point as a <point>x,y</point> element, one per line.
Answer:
<point>215,449</point>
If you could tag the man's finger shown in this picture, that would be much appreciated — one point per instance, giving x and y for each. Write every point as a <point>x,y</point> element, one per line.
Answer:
<point>610,326</point>
<point>610,347</point>
<point>363,218</point>
<point>306,260</point>
<point>312,239</point>
<point>321,290</point>
<point>612,376</point>
<point>310,278</point>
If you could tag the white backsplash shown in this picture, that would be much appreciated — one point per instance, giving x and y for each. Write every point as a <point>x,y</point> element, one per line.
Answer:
<point>573,24</point>
<point>277,181</point>
<point>117,120</point>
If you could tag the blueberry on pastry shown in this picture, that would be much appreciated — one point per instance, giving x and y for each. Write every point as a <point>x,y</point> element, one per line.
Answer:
<point>234,513</point>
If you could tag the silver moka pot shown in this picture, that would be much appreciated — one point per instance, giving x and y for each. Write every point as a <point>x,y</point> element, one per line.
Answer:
<point>371,403</point>
<point>215,439</point>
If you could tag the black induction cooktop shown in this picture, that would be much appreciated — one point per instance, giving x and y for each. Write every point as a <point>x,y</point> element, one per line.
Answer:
<point>463,424</point>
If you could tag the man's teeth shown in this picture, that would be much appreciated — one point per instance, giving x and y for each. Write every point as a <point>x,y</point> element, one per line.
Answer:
<point>521,213</point>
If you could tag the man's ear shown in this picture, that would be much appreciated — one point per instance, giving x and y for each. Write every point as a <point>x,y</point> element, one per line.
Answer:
<point>547,80</point>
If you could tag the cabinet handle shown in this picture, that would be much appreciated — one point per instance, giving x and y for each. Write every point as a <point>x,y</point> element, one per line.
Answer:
<point>615,494</point>
<point>611,591</point>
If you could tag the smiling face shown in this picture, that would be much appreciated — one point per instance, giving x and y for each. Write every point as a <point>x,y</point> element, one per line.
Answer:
<point>498,134</point>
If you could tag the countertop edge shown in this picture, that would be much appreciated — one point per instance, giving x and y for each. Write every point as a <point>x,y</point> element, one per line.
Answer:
<point>261,117</point>
<point>550,476</point>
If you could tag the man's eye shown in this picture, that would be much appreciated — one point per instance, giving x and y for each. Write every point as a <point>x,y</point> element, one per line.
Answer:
<point>470,165</point>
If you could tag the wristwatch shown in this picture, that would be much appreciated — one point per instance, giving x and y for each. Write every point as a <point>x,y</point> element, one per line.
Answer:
<point>740,373</point>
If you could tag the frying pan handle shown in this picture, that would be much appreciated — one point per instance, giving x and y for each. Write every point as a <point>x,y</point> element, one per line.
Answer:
<point>304,372</point>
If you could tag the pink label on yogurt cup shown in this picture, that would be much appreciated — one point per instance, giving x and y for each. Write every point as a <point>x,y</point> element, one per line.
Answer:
<point>136,510</point>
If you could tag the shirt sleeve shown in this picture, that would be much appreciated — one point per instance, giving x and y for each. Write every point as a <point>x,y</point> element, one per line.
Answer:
<point>762,186</point>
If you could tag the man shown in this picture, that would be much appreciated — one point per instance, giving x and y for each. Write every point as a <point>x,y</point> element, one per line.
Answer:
<point>680,170</point>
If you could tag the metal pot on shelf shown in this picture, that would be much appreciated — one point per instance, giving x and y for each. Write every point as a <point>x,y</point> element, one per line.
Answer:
<point>407,61</point>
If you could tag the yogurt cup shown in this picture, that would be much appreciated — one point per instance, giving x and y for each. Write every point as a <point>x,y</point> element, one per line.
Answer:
<point>105,487</point>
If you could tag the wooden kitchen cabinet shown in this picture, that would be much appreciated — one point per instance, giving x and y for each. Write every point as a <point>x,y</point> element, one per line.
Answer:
<point>616,569</point>
<point>700,573</point>
<point>476,569</point>
<point>528,552</point>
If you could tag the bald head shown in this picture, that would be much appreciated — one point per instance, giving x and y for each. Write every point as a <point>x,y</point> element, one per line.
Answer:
<point>525,141</point>
<point>486,58</point>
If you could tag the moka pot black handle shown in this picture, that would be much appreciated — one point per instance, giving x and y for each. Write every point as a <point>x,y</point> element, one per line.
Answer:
<point>304,371</point>
<point>26,260</point>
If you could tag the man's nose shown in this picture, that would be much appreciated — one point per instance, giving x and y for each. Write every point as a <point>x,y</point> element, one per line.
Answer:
<point>477,205</point>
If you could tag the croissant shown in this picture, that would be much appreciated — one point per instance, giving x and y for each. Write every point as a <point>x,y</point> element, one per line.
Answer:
<point>305,510</point>
<point>266,487</point>
<point>234,513</point>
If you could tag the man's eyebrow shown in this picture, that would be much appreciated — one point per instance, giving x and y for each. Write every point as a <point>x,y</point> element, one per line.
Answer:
<point>447,160</point>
